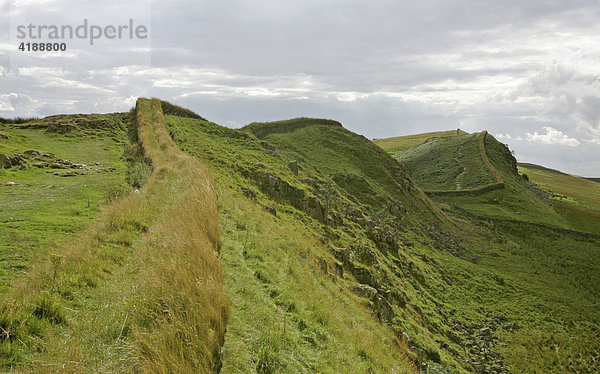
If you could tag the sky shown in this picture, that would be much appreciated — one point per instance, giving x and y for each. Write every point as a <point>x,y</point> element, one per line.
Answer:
<point>527,71</point>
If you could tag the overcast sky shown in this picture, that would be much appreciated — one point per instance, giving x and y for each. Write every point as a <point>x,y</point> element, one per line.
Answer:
<point>526,71</point>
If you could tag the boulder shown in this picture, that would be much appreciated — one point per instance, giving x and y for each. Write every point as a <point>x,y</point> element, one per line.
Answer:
<point>248,192</point>
<point>293,165</point>
<point>364,290</point>
<point>69,173</point>
<point>16,160</point>
<point>271,209</point>
<point>4,161</point>
<point>13,184</point>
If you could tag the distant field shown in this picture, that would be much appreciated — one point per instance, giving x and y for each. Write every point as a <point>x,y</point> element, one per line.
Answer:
<point>402,143</point>
<point>576,199</point>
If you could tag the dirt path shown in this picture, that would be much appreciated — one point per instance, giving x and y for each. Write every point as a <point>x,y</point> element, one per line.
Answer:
<point>459,176</point>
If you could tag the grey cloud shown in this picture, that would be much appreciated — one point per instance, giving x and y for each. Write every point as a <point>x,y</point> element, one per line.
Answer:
<point>383,68</point>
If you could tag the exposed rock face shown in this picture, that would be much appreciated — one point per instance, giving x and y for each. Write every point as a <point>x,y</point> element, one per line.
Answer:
<point>278,188</point>
<point>60,128</point>
<point>271,209</point>
<point>312,206</point>
<point>293,165</point>
<point>396,209</point>
<point>381,307</point>
<point>248,192</point>
<point>5,161</point>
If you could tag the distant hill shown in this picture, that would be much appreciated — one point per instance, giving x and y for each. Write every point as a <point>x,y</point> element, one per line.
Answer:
<point>457,163</point>
<point>401,143</point>
<point>576,199</point>
<point>527,165</point>
<point>594,179</point>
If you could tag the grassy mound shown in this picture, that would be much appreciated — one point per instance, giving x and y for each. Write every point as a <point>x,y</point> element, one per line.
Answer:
<point>450,164</point>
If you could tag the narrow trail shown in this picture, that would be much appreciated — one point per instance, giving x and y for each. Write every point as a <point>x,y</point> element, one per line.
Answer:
<point>459,176</point>
<point>497,183</point>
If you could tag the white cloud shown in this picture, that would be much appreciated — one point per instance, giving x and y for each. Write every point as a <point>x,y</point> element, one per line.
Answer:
<point>552,137</point>
<point>5,104</point>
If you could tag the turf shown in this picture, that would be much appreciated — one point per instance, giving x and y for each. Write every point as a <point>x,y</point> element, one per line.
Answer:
<point>45,209</point>
<point>402,143</point>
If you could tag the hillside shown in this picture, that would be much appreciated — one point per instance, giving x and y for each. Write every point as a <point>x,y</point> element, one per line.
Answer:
<point>454,170</point>
<point>447,164</point>
<point>133,289</point>
<point>49,187</point>
<point>439,288</point>
<point>576,199</point>
<point>402,143</point>
<point>293,246</point>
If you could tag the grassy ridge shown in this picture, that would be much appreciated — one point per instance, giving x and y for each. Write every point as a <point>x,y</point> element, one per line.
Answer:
<point>449,164</point>
<point>450,283</point>
<point>402,143</point>
<point>140,290</point>
<point>326,149</point>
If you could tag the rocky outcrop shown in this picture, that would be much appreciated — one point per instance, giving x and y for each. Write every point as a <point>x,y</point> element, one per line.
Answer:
<point>248,192</point>
<point>60,128</point>
<point>278,188</point>
<point>293,166</point>
<point>5,162</point>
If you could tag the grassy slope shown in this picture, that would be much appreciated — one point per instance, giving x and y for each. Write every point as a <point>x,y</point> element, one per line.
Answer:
<point>451,163</point>
<point>268,260</point>
<point>350,160</point>
<point>140,290</point>
<point>555,273</point>
<point>48,209</point>
<point>279,322</point>
<point>576,199</point>
<point>402,143</point>
<point>517,200</point>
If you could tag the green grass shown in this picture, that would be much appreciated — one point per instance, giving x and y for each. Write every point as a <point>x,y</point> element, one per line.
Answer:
<point>328,151</point>
<point>47,210</point>
<point>451,163</point>
<point>272,278</point>
<point>576,199</point>
<point>345,267</point>
<point>503,270</point>
<point>402,143</point>
<point>140,289</point>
